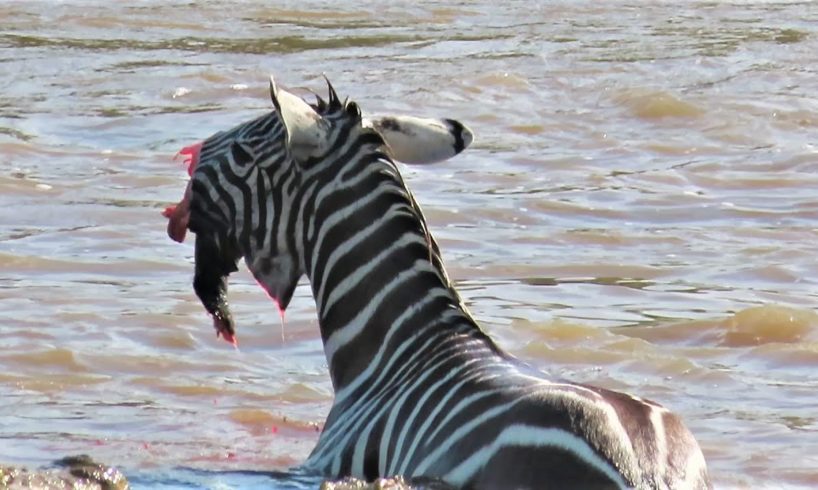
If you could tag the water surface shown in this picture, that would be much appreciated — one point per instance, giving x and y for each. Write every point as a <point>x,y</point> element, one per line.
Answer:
<point>639,211</point>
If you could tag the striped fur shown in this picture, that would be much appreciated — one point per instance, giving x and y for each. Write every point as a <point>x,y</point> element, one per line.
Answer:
<point>243,181</point>
<point>420,389</point>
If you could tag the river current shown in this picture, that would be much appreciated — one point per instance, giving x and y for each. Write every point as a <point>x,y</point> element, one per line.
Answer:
<point>639,211</point>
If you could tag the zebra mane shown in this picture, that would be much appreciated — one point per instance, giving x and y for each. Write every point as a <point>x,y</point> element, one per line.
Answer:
<point>333,106</point>
<point>435,257</point>
<point>323,107</point>
<point>434,250</point>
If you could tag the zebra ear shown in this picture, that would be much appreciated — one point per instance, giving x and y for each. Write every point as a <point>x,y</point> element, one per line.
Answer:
<point>421,140</point>
<point>305,130</point>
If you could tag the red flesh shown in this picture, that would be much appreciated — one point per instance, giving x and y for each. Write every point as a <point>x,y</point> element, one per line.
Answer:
<point>222,331</point>
<point>179,215</point>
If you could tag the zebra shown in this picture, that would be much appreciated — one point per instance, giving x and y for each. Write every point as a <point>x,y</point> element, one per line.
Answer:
<point>420,389</point>
<point>411,139</point>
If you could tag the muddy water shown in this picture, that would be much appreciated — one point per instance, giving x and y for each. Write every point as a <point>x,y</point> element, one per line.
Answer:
<point>639,212</point>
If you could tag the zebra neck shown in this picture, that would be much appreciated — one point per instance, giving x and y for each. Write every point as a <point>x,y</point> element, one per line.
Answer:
<point>376,276</point>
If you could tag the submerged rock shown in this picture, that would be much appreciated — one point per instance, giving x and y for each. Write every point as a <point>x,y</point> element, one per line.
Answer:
<point>72,472</point>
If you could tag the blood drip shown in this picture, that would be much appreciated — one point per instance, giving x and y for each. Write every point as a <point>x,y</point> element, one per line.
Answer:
<point>281,316</point>
<point>229,337</point>
<point>278,305</point>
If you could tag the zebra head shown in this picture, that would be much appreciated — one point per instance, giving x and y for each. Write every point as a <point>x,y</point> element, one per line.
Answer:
<point>241,200</point>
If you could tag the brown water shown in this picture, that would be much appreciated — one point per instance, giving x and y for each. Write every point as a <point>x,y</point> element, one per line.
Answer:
<point>639,211</point>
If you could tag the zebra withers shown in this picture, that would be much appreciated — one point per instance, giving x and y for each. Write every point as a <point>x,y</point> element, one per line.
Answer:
<point>420,389</point>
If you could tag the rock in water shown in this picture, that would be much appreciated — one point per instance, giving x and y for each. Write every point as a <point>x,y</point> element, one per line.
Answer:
<point>72,472</point>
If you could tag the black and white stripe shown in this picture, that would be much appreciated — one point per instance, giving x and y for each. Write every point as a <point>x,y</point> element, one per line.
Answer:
<point>421,390</point>
<point>243,187</point>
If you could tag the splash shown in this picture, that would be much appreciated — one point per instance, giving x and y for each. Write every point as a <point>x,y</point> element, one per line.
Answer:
<point>769,324</point>
<point>754,326</point>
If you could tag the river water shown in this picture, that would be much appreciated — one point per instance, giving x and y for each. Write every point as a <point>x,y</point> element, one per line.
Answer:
<point>639,211</point>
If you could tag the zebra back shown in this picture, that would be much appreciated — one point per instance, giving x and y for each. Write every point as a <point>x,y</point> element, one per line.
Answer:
<point>421,390</point>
